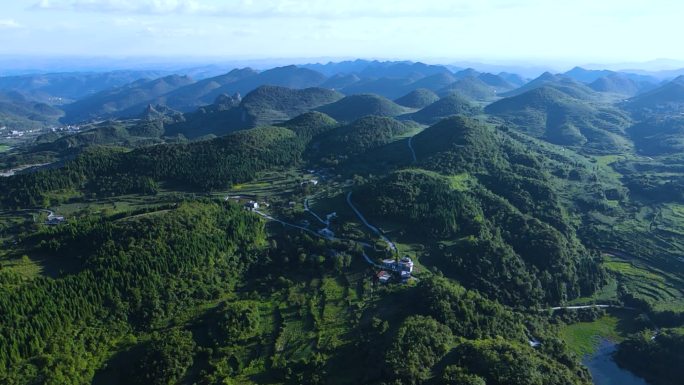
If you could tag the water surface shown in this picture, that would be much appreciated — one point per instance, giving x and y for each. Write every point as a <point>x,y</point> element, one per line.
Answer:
<point>605,371</point>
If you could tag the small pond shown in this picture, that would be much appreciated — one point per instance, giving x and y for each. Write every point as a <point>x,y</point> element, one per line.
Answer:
<point>605,371</point>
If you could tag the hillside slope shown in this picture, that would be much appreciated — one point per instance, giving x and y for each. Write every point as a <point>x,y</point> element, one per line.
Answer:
<point>265,105</point>
<point>558,118</point>
<point>357,106</point>
<point>453,104</point>
<point>125,101</point>
<point>20,113</point>
<point>419,98</point>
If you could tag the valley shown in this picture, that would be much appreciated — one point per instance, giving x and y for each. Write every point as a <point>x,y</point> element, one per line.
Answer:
<point>415,223</point>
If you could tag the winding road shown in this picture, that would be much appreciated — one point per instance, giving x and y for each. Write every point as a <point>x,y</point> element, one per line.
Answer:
<point>263,214</point>
<point>308,209</point>
<point>363,244</point>
<point>413,152</point>
<point>371,227</point>
<point>358,213</point>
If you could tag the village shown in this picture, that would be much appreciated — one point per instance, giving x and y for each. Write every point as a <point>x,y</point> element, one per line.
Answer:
<point>386,270</point>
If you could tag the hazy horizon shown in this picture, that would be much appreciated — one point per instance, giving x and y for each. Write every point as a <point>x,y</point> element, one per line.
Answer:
<point>28,64</point>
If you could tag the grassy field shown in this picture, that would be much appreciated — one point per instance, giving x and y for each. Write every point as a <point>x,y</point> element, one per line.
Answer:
<point>461,182</point>
<point>4,148</point>
<point>671,219</point>
<point>268,186</point>
<point>606,294</point>
<point>660,288</point>
<point>583,338</point>
<point>24,266</point>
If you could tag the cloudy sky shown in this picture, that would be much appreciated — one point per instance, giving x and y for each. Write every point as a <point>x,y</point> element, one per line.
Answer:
<point>551,30</point>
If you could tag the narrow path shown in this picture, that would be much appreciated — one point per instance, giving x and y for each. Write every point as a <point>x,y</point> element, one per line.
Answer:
<point>14,171</point>
<point>308,209</point>
<point>595,306</point>
<point>293,225</point>
<point>413,152</point>
<point>371,227</point>
<point>363,244</point>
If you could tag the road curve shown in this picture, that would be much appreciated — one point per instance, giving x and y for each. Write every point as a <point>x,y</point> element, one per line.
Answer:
<point>371,227</point>
<point>413,152</point>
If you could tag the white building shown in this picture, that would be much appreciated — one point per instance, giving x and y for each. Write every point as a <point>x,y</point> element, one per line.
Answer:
<point>404,265</point>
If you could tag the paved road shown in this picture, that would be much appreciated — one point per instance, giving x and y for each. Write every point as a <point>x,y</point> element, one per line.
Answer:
<point>413,152</point>
<point>371,227</point>
<point>293,225</point>
<point>308,209</point>
<point>596,306</point>
<point>363,244</point>
<point>358,214</point>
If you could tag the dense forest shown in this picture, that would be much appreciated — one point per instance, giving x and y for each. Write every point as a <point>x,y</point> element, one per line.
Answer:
<point>372,223</point>
<point>129,276</point>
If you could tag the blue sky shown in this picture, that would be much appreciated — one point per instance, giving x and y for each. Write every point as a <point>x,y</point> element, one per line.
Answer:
<point>492,30</point>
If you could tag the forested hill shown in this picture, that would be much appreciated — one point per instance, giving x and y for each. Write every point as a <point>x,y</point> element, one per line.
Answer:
<point>349,223</point>
<point>265,105</point>
<point>130,276</point>
<point>560,118</point>
<point>201,166</point>
<point>496,206</point>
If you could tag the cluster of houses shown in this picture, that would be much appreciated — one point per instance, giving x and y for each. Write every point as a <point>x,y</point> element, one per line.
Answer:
<point>252,205</point>
<point>327,233</point>
<point>54,220</point>
<point>402,269</point>
<point>312,182</point>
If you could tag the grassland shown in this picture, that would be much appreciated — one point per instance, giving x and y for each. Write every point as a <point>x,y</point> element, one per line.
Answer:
<point>461,182</point>
<point>670,219</point>
<point>583,338</point>
<point>660,288</point>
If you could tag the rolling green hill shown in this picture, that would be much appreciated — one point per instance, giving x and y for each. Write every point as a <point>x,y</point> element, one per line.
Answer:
<point>269,104</point>
<point>550,114</point>
<point>471,87</point>
<point>311,124</point>
<point>20,113</point>
<point>667,99</point>
<point>339,81</point>
<point>357,106</point>
<point>616,84</point>
<point>419,98</point>
<point>386,87</point>
<point>203,166</point>
<point>125,101</point>
<point>453,104</point>
<point>264,106</point>
<point>659,136</point>
<point>238,81</point>
<point>434,82</point>
<point>64,87</point>
<point>361,136</point>
<point>203,92</point>
<point>561,83</point>
<point>195,248</point>
<point>500,84</point>
<point>480,191</point>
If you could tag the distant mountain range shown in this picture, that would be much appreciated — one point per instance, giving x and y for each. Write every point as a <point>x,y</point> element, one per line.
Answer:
<point>346,91</point>
<point>19,113</point>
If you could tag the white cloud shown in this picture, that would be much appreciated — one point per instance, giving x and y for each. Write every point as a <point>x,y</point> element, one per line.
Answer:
<point>125,6</point>
<point>9,24</point>
<point>577,30</point>
<point>289,8</point>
